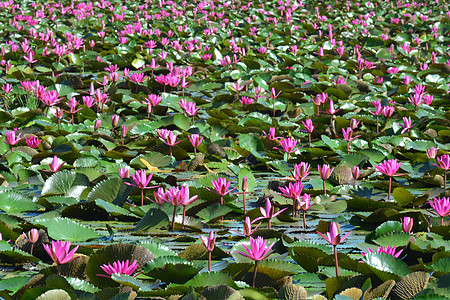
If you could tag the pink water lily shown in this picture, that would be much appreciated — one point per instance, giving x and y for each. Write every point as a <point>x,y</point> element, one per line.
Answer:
<point>268,212</point>
<point>209,243</point>
<point>60,253</point>
<point>11,137</point>
<point>325,172</point>
<point>258,251</point>
<point>55,165</point>
<point>288,146</point>
<point>32,236</point>
<point>334,238</point>
<point>141,181</point>
<point>119,267</point>
<point>301,171</point>
<point>389,168</point>
<point>407,224</point>
<point>444,164</point>
<point>221,186</point>
<point>292,191</point>
<point>305,204</point>
<point>195,141</point>
<point>388,250</point>
<point>247,228</point>
<point>441,206</point>
<point>309,128</point>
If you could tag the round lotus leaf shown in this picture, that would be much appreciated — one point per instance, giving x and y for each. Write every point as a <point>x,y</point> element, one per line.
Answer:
<point>353,293</point>
<point>175,297</point>
<point>381,291</point>
<point>54,295</point>
<point>410,285</point>
<point>193,252</point>
<point>319,297</point>
<point>292,292</point>
<point>221,292</point>
<point>25,149</point>
<point>113,253</point>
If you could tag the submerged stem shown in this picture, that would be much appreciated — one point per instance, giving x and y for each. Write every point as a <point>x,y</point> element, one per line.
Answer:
<point>336,261</point>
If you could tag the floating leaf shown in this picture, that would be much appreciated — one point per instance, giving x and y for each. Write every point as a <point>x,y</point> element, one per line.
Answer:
<point>15,202</point>
<point>68,230</point>
<point>213,211</point>
<point>386,266</point>
<point>170,269</point>
<point>153,219</point>
<point>67,183</point>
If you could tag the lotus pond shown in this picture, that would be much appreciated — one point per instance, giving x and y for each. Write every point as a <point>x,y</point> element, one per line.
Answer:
<point>224,150</point>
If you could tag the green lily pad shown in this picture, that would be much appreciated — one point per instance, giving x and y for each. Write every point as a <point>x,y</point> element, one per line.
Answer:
<point>157,248</point>
<point>386,266</point>
<point>82,285</point>
<point>68,230</point>
<point>442,265</point>
<point>13,284</point>
<point>111,190</point>
<point>213,212</point>
<point>136,284</point>
<point>15,202</point>
<point>170,269</point>
<point>252,144</point>
<point>68,183</point>
<point>402,196</point>
<point>153,219</point>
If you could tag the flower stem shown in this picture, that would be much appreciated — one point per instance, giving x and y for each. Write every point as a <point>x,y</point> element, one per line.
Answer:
<point>390,185</point>
<point>336,261</point>
<point>442,221</point>
<point>209,261</point>
<point>58,268</point>
<point>324,188</point>
<point>243,199</point>
<point>445,179</point>
<point>142,197</point>
<point>254,273</point>
<point>173,217</point>
<point>184,215</point>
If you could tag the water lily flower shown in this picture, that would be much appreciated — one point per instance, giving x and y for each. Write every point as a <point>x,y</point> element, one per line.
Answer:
<point>301,171</point>
<point>32,236</point>
<point>432,152</point>
<point>441,206</point>
<point>258,251</point>
<point>334,238</point>
<point>406,80</point>
<point>389,168</point>
<point>387,111</point>
<point>137,77</point>
<point>247,228</point>
<point>288,146</point>
<point>355,174</point>
<point>273,96</point>
<point>246,100</point>
<point>347,133</point>
<point>444,163</point>
<point>189,108</point>
<point>407,224</point>
<point>292,191</point>
<point>11,137</point>
<point>209,243</point>
<point>119,267</point>
<point>221,186</point>
<point>388,250</point>
<point>195,140</point>
<point>407,124</point>
<point>324,172</point>
<point>309,128</point>
<point>305,204</point>
<point>124,173</point>
<point>170,140</point>
<point>271,135</point>
<point>268,212</point>
<point>33,141</point>
<point>152,100</point>
<point>55,165</point>
<point>60,253</point>
<point>141,181</point>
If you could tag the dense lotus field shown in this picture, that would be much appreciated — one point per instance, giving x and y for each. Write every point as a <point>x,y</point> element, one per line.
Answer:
<point>224,149</point>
